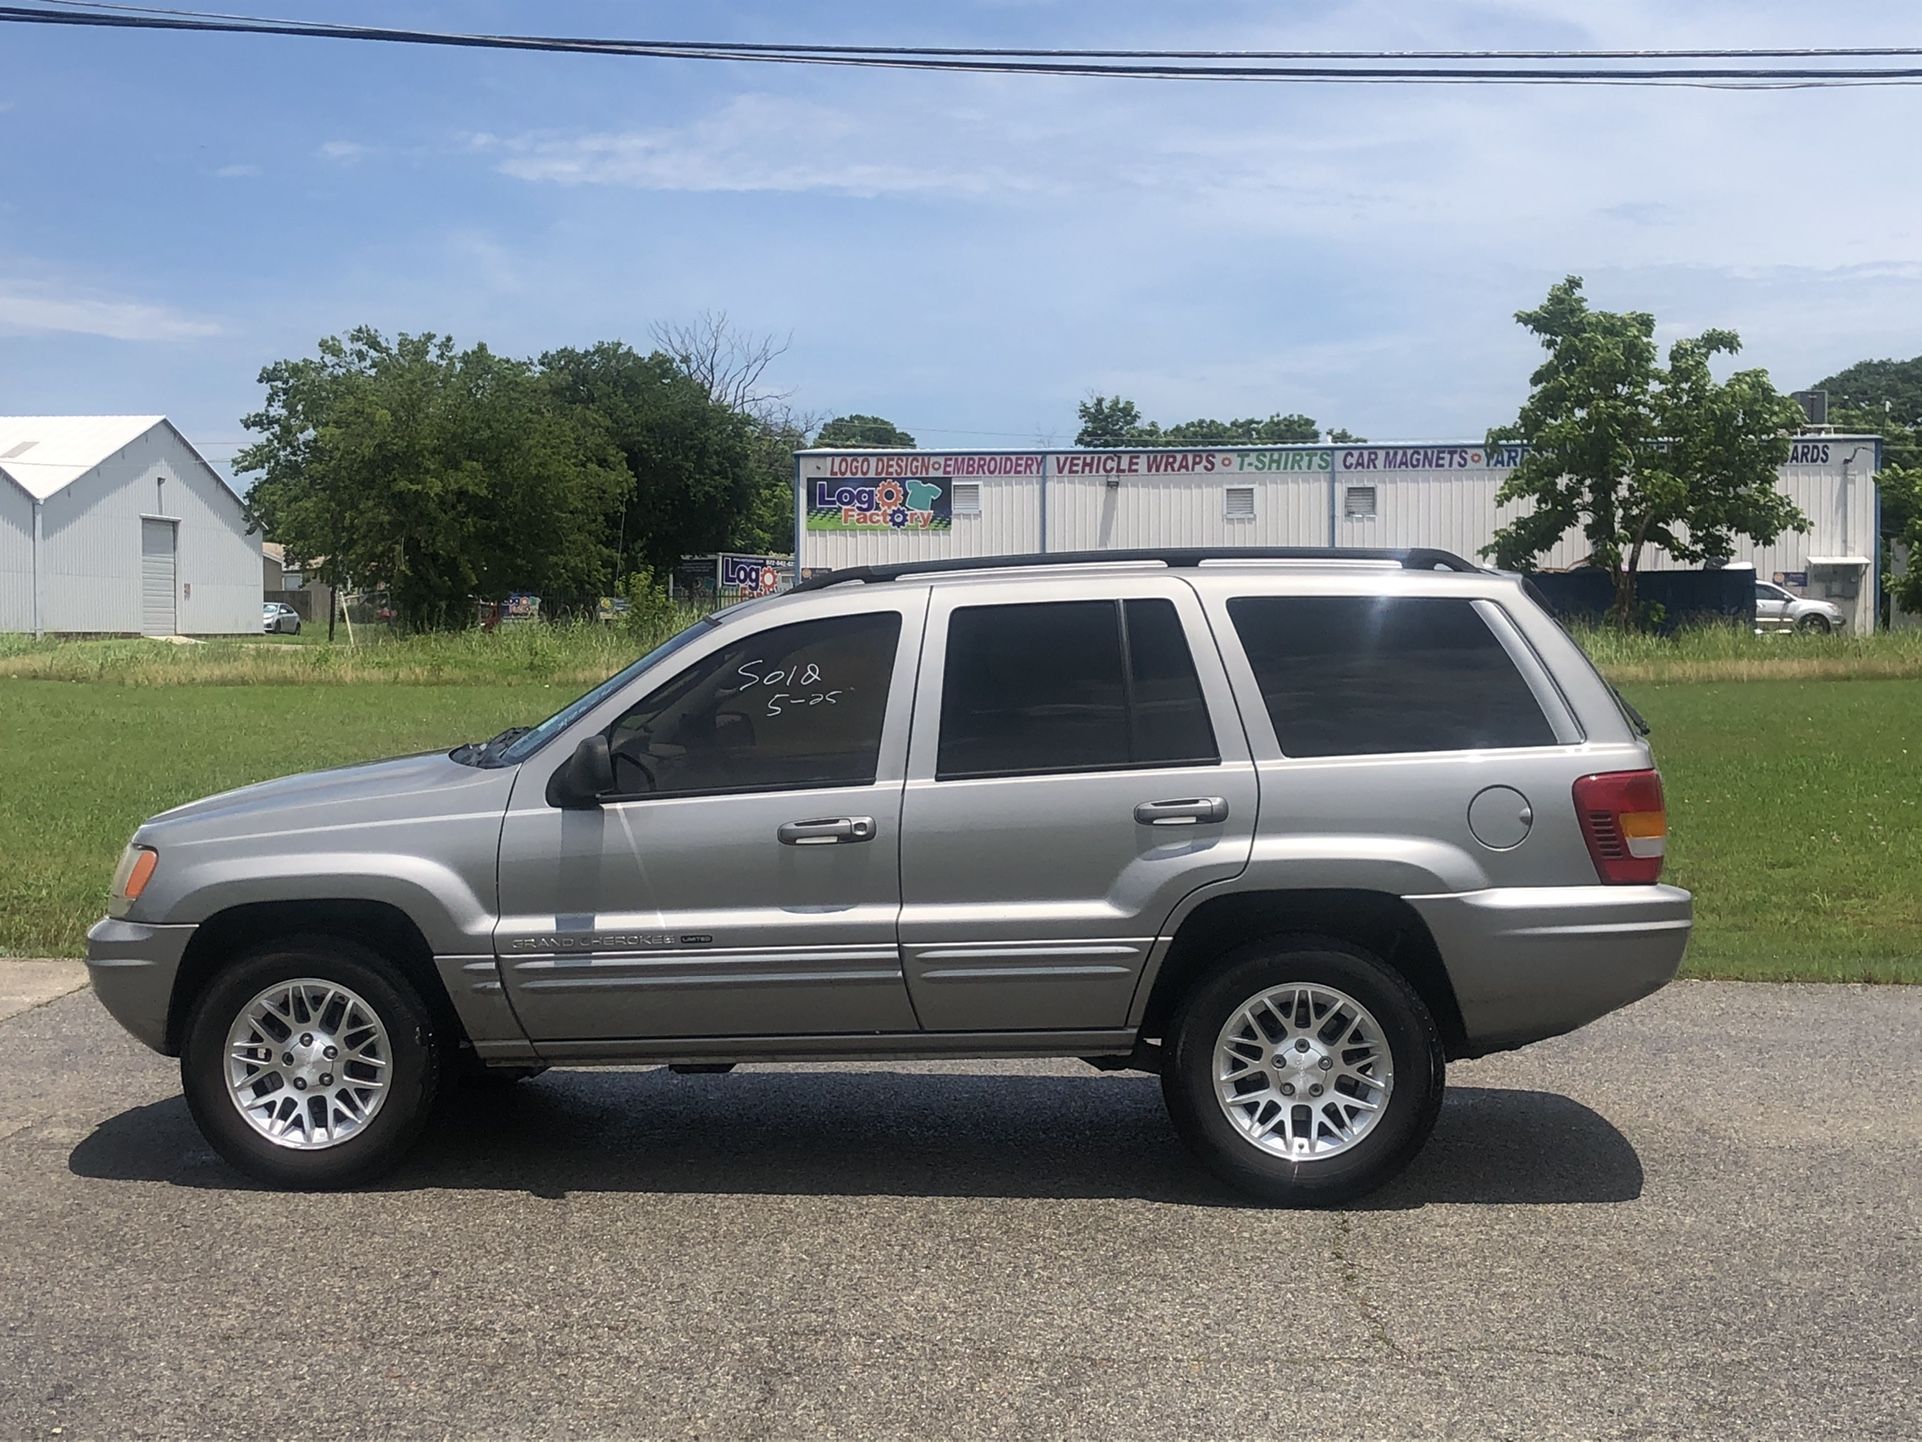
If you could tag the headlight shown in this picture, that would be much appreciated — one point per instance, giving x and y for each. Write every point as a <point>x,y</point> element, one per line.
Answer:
<point>130,878</point>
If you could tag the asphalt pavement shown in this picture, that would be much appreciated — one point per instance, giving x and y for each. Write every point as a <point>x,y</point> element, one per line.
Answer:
<point>1701,1217</point>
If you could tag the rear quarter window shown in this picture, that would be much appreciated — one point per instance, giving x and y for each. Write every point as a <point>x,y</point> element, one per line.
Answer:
<point>1372,675</point>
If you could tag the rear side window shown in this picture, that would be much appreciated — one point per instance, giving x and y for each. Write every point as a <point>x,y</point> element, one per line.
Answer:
<point>1070,686</point>
<point>1367,675</point>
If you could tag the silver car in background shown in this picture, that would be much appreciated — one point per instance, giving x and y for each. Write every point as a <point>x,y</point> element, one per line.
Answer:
<point>1291,829</point>
<point>276,617</point>
<point>1778,609</point>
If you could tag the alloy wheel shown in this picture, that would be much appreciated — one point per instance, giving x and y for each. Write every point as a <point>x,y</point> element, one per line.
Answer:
<point>308,1063</point>
<point>1303,1071</point>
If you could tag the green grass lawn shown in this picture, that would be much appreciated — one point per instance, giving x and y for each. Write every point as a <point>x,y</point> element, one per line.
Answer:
<point>1795,816</point>
<point>1795,811</point>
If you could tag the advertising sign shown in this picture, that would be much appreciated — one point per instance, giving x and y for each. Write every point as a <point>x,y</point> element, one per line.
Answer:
<point>1429,458</point>
<point>894,490</point>
<point>521,606</point>
<point>755,575</point>
<point>1296,460</point>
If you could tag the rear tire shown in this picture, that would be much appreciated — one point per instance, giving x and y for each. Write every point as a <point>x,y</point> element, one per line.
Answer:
<point>1295,1014</point>
<point>320,1005</point>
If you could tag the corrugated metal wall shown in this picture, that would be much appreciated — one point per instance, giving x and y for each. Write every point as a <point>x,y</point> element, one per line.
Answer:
<point>1439,495</point>
<point>1123,499</point>
<point>16,558</point>
<point>90,544</point>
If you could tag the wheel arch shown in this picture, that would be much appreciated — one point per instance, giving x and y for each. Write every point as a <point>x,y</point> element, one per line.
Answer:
<point>1382,923</point>
<point>378,925</point>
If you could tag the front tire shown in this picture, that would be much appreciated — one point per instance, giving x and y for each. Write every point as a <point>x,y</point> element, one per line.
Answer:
<point>1814,625</point>
<point>311,1064</point>
<point>1303,1071</point>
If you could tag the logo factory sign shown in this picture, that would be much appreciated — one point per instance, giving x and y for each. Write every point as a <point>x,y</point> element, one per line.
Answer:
<point>896,490</point>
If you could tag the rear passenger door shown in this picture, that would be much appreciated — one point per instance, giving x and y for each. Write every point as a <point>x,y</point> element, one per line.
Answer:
<point>1076,767</point>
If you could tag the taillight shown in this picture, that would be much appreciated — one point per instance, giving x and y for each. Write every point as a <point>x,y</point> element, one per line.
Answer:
<point>1625,825</point>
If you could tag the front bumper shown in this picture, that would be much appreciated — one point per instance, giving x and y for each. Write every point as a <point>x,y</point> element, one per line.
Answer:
<point>1534,962</point>
<point>132,967</point>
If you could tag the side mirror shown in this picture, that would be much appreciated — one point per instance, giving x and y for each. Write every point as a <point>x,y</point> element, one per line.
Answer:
<point>581,780</point>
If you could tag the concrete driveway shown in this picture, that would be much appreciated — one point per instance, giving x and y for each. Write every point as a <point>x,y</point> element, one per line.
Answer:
<point>1701,1217</point>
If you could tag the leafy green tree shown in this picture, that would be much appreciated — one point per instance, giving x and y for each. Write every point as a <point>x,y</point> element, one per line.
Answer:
<point>849,431</point>
<point>1901,488</point>
<point>691,462</point>
<point>439,474</point>
<point>1636,455</point>
<point>1110,421</point>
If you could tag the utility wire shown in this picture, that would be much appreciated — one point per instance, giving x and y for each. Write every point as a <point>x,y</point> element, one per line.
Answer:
<point>747,47</point>
<point>96,14</point>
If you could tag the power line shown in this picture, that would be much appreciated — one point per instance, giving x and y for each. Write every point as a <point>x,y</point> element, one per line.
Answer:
<point>750,47</point>
<point>1383,67</point>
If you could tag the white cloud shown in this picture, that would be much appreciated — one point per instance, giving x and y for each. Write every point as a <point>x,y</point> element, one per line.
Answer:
<point>33,308</point>
<point>237,172</point>
<point>761,143</point>
<point>344,152</point>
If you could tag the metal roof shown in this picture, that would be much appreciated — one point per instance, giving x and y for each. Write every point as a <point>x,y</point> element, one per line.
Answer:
<point>44,454</point>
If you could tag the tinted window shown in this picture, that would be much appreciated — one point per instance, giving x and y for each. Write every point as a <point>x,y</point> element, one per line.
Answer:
<point>1049,687</point>
<point>1170,718</point>
<point>795,706</point>
<point>1362,675</point>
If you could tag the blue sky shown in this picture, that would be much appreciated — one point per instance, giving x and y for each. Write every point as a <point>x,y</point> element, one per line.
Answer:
<point>968,256</point>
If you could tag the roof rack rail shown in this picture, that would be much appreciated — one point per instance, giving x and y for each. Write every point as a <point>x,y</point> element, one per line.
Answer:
<point>1413,558</point>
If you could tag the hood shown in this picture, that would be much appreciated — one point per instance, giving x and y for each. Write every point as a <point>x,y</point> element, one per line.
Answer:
<point>403,789</point>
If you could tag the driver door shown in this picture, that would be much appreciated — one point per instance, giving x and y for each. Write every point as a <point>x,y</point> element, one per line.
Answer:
<point>1771,608</point>
<point>743,879</point>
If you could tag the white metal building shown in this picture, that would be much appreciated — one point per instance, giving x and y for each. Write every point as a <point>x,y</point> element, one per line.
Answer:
<point>116,524</point>
<point>871,507</point>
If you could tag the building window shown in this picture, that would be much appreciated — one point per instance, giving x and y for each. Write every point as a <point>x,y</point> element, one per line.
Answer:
<point>1358,503</point>
<point>1374,675</point>
<point>967,498</point>
<point>1239,503</point>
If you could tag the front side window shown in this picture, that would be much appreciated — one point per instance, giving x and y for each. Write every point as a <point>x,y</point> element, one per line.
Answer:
<point>788,708</point>
<point>1063,686</point>
<point>1369,675</point>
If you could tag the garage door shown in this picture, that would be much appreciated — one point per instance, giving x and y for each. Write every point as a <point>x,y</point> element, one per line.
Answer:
<point>157,578</point>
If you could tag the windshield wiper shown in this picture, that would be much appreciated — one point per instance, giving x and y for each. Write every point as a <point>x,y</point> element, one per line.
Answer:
<point>479,753</point>
<point>506,738</point>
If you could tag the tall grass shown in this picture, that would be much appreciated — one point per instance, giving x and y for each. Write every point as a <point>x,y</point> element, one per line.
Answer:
<point>576,653</point>
<point>581,653</point>
<point>1732,653</point>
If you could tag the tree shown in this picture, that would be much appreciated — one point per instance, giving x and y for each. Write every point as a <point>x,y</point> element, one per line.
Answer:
<point>1901,488</point>
<point>691,461</point>
<point>726,363</point>
<point>729,365</point>
<point>1108,422</point>
<point>857,430</point>
<point>1638,455</point>
<point>439,474</point>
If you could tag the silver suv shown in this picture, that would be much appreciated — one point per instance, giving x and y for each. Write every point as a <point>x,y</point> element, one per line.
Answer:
<point>1290,828</point>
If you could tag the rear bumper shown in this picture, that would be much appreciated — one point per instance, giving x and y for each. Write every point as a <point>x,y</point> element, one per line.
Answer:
<point>132,967</point>
<point>1534,962</point>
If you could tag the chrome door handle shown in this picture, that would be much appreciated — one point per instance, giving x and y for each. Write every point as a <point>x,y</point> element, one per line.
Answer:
<point>1187,811</point>
<point>827,831</point>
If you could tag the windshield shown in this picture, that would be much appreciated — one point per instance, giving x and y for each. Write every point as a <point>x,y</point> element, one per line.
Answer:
<point>531,740</point>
